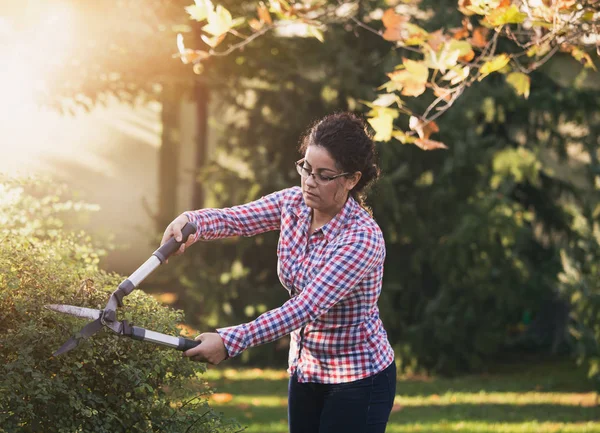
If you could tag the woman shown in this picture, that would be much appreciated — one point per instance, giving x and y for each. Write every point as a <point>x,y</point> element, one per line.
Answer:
<point>330,259</point>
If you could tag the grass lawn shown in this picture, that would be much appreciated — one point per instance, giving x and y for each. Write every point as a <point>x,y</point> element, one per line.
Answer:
<point>550,397</point>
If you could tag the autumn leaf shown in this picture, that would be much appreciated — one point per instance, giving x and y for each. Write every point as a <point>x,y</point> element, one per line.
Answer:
<point>464,31</point>
<point>493,65</point>
<point>584,58</point>
<point>200,10</point>
<point>430,144</point>
<point>214,41</point>
<point>255,24</point>
<point>413,79</point>
<point>479,7</point>
<point>415,35</point>
<point>188,55</point>
<point>219,22</point>
<point>382,121</point>
<point>403,137</point>
<point>436,39</point>
<point>386,100</point>
<point>263,14</point>
<point>457,74</point>
<point>448,56</point>
<point>464,7</point>
<point>520,82</point>
<point>467,57</point>
<point>393,23</point>
<point>479,38</point>
<point>505,15</point>
<point>422,128</point>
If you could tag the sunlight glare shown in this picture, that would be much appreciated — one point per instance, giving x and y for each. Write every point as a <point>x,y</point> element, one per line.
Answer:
<point>36,46</point>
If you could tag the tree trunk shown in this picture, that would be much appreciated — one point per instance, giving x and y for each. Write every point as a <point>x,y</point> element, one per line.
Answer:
<point>168,156</point>
<point>201,97</point>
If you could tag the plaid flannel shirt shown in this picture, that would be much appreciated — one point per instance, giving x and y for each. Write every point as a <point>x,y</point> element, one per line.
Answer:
<point>334,279</point>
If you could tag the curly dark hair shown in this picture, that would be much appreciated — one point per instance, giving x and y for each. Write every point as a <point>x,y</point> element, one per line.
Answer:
<point>349,142</point>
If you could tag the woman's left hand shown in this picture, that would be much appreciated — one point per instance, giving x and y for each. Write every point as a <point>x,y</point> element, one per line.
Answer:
<point>211,350</point>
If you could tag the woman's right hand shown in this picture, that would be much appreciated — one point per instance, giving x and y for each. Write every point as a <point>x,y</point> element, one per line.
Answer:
<point>173,230</point>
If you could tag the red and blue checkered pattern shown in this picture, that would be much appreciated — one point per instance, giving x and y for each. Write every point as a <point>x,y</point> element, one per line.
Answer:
<point>334,279</point>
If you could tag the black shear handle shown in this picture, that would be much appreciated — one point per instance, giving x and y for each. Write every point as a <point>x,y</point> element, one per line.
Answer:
<point>172,245</point>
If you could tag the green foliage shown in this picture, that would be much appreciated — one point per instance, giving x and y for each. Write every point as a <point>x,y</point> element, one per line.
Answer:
<point>106,384</point>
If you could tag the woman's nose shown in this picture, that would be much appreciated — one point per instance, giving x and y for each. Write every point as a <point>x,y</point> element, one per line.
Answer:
<point>311,179</point>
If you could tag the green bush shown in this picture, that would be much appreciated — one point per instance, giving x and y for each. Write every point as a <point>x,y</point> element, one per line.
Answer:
<point>108,383</point>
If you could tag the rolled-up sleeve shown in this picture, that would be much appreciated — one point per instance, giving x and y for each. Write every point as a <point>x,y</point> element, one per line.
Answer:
<point>353,257</point>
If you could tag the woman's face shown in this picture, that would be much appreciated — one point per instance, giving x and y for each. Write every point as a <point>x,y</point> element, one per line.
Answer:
<point>328,198</point>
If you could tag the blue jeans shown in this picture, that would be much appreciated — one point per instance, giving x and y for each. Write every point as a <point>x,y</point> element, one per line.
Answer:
<point>362,406</point>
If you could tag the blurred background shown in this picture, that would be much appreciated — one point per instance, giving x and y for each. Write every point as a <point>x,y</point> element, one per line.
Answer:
<point>492,245</point>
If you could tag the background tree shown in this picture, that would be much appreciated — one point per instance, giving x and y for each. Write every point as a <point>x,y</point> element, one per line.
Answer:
<point>476,236</point>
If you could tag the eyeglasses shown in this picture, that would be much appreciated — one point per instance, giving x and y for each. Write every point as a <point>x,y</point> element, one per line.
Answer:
<point>319,178</point>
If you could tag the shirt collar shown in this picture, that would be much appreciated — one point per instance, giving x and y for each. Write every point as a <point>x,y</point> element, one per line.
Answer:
<point>332,228</point>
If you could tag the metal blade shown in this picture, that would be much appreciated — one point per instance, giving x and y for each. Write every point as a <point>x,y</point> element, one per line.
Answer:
<point>86,313</point>
<point>70,344</point>
<point>87,331</point>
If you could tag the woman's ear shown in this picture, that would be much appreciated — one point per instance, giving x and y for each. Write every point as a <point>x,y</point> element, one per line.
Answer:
<point>352,180</point>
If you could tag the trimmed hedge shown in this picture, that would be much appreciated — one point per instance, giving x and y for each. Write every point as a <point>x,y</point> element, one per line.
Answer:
<point>108,383</point>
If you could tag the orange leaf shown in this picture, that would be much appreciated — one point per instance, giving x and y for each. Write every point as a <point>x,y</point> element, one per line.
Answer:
<point>436,39</point>
<point>256,24</point>
<point>504,4</point>
<point>393,24</point>
<point>423,129</point>
<point>479,38</point>
<point>263,14</point>
<point>463,7</point>
<point>467,57</point>
<point>430,144</point>
<point>463,32</point>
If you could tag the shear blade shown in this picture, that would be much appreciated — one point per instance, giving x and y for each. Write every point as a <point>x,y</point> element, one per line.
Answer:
<point>87,331</point>
<point>71,343</point>
<point>86,313</point>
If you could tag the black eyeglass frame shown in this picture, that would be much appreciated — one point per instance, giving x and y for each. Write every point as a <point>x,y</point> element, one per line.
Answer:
<point>300,169</point>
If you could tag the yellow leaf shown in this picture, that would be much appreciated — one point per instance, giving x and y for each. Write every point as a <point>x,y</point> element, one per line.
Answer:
<point>403,137</point>
<point>520,82</point>
<point>411,80</point>
<point>479,7</point>
<point>188,55</point>
<point>418,70</point>
<point>457,74</point>
<point>386,100</point>
<point>214,41</point>
<point>200,10</point>
<point>219,21</point>
<point>583,58</point>
<point>415,35</point>
<point>383,123</point>
<point>506,15</point>
<point>494,65</point>
<point>443,59</point>
<point>317,33</point>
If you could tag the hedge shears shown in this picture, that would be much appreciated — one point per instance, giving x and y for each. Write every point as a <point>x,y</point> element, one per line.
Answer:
<point>108,316</point>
